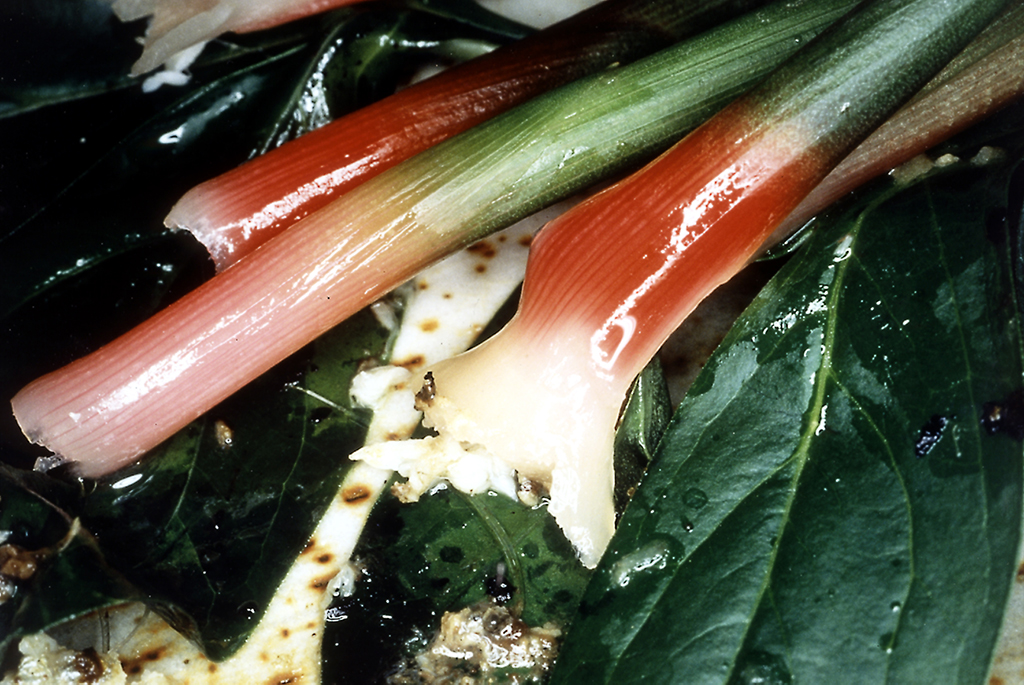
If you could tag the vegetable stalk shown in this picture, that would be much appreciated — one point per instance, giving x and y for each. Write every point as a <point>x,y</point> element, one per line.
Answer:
<point>237,211</point>
<point>608,281</point>
<point>110,407</point>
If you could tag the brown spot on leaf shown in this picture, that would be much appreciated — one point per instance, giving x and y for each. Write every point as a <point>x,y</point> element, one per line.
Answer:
<point>212,668</point>
<point>310,546</point>
<point>422,285</point>
<point>283,679</point>
<point>285,632</point>
<point>1020,573</point>
<point>996,680</point>
<point>502,238</point>
<point>483,249</point>
<point>1005,416</point>
<point>480,268</point>
<point>429,325</point>
<point>447,296</point>
<point>525,240</point>
<point>325,558</point>
<point>353,494</point>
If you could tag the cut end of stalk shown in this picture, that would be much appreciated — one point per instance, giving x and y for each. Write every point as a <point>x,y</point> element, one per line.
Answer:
<point>552,426</point>
<point>50,428</point>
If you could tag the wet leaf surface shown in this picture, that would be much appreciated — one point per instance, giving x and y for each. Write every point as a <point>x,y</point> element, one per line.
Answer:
<point>443,554</point>
<point>827,500</point>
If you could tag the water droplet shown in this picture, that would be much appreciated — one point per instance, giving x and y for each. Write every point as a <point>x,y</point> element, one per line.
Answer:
<point>931,433</point>
<point>126,482</point>
<point>762,668</point>
<point>248,610</point>
<point>654,556</point>
<point>695,498</point>
<point>895,606</point>
<point>687,524</point>
<point>887,642</point>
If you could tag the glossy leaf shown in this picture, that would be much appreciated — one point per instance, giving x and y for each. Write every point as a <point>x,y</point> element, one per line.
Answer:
<point>441,554</point>
<point>205,529</point>
<point>837,497</point>
<point>644,420</point>
<point>95,255</point>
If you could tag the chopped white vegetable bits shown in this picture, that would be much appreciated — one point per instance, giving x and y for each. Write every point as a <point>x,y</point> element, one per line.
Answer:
<point>489,638</point>
<point>446,308</point>
<point>180,27</point>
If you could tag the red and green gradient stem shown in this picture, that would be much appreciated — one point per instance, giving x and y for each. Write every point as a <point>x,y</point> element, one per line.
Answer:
<point>234,213</point>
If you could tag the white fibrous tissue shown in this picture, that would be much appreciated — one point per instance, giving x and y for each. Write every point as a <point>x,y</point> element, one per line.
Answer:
<point>178,29</point>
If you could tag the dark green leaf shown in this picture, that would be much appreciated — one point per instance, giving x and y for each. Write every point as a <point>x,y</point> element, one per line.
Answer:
<point>203,531</point>
<point>441,554</point>
<point>119,203</point>
<point>827,504</point>
<point>58,50</point>
<point>70,578</point>
<point>644,419</point>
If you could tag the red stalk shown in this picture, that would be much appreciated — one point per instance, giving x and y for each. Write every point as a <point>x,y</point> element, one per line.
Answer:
<point>108,408</point>
<point>237,211</point>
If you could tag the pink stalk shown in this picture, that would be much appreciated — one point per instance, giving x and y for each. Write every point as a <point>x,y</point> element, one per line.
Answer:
<point>234,213</point>
<point>605,285</point>
<point>108,408</point>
